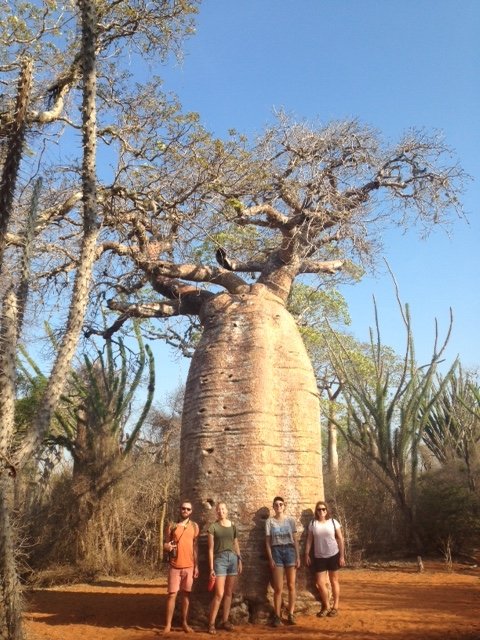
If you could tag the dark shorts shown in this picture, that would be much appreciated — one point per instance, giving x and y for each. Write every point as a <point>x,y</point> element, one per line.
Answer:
<point>284,555</point>
<point>327,564</point>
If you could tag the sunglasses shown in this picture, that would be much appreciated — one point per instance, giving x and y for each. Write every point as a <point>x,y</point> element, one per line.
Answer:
<point>321,509</point>
<point>185,508</point>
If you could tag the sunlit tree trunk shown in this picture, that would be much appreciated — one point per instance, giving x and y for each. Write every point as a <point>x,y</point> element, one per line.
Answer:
<point>87,257</point>
<point>251,424</point>
<point>161,530</point>
<point>10,589</point>
<point>13,156</point>
<point>332,452</point>
<point>333,470</point>
<point>10,599</point>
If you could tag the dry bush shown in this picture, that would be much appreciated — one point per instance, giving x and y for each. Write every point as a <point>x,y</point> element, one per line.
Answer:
<point>449,511</point>
<point>47,524</point>
<point>125,540</point>
<point>373,527</point>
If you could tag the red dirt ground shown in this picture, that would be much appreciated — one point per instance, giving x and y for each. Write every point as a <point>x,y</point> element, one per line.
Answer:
<point>376,604</point>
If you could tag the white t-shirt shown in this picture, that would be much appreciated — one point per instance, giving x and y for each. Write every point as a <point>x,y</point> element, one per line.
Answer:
<point>324,542</point>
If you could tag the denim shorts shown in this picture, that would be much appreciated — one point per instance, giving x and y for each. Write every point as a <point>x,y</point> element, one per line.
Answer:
<point>284,555</point>
<point>225,564</point>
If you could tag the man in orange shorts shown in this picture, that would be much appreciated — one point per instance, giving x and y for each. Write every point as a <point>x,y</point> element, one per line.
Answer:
<point>182,547</point>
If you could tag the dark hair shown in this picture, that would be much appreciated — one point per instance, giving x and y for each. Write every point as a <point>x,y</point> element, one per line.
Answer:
<point>323,504</point>
<point>278,498</point>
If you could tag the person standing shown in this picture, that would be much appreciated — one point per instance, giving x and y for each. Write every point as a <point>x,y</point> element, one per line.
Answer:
<point>328,556</point>
<point>182,547</point>
<point>225,564</point>
<point>284,558</point>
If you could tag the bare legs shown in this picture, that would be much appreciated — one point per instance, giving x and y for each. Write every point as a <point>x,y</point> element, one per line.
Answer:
<point>291,573</point>
<point>277,584</point>
<point>171,608</point>
<point>333,575</point>
<point>224,586</point>
<point>185,606</point>
<point>322,580</point>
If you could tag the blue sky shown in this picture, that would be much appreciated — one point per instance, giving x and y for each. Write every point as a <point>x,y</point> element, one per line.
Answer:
<point>393,65</point>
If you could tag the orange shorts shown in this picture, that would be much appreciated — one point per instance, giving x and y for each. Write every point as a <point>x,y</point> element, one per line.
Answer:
<point>180,579</point>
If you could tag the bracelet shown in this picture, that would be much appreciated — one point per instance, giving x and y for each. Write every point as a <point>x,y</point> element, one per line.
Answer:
<point>239,558</point>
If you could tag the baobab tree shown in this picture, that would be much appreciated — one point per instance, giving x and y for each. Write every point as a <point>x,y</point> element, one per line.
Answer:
<point>223,241</point>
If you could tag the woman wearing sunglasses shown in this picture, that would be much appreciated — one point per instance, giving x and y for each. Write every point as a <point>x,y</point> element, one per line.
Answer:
<point>284,558</point>
<point>328,556</point>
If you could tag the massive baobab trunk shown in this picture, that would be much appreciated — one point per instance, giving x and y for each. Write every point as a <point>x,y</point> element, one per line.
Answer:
<point>251,424</point>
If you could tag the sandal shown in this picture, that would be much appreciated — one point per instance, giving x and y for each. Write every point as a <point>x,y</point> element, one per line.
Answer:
<point>227,625</point>
<point>332,613</point>
<point>211,630</point>
<point>323,613</point>
<point>277,621</point>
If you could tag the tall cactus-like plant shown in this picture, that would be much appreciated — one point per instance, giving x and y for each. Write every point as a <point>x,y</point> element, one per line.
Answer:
<point>10,600</point>
<point>79,301</point>
<point>105,393</point>
<point>23,287</point>
<point>387,415</point>
<point>91,426</point>
<point>15,145</point>
<point>13,306</point>
<point>452,431</point>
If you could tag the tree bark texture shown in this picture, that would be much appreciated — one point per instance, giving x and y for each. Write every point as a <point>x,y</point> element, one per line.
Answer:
<point>251,423</point>
<point>8,344</point>
<point>14,152</point>
<point>333,470</point>
<point>10,590</point>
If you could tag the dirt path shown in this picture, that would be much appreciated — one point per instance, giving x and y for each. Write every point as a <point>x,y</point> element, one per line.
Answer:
<point>376,605</point>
